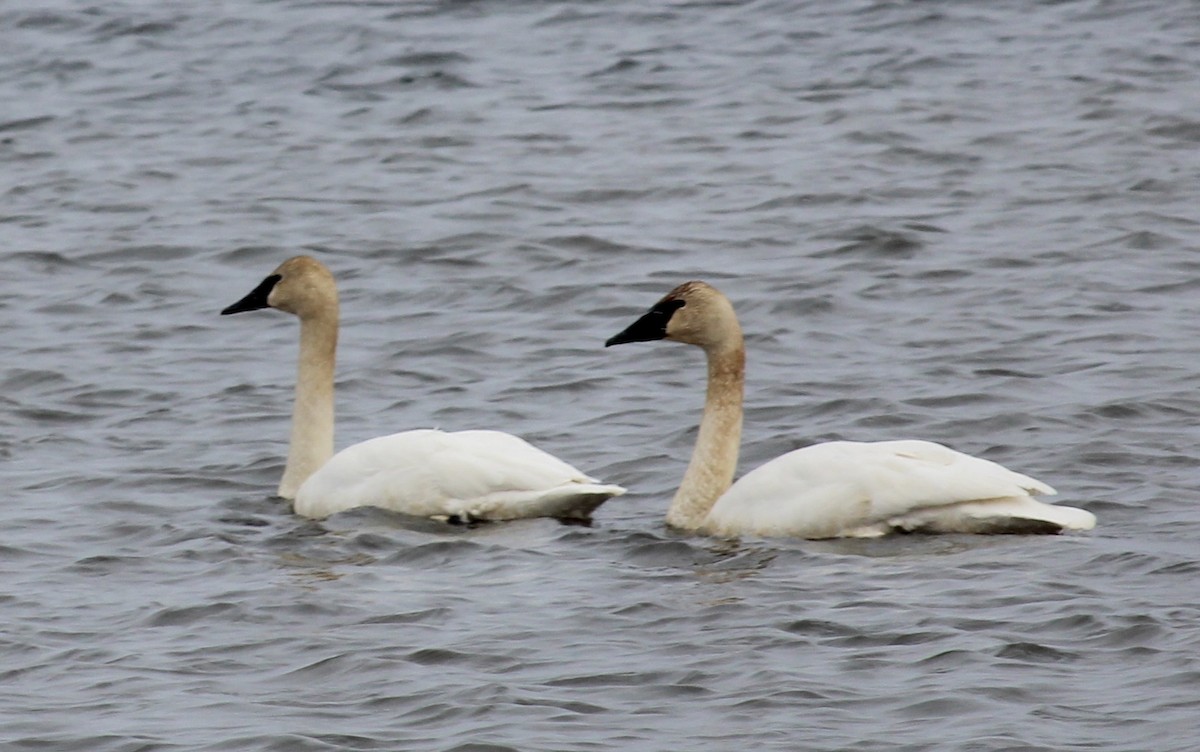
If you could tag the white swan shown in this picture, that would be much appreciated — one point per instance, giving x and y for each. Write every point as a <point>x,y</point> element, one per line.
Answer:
<point>468,475</point>
<point>832,490</point>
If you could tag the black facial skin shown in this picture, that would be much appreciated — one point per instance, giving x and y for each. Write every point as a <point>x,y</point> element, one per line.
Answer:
<point>256,299</point>
<point>651,326</point>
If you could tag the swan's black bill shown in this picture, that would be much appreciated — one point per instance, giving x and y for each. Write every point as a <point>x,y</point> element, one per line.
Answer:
<point>652,326</point>
<point>256,299</point>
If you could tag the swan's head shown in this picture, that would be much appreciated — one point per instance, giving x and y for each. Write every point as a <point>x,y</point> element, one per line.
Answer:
<point>301,285</point>
<point>695,313</point>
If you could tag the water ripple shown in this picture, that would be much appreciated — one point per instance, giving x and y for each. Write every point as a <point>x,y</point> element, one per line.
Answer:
<point>969,224</point>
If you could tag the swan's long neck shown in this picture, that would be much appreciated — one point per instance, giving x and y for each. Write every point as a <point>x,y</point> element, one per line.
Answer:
<point>714,460</point>
<point>312,414</point>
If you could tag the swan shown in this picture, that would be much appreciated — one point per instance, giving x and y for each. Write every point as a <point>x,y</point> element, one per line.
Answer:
<point>462,476</point>
<point>831,490</point>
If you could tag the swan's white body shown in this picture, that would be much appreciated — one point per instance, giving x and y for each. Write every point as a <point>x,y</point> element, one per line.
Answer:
<point>469,475</point>
<point>847,489</point>
<point>832,490</point>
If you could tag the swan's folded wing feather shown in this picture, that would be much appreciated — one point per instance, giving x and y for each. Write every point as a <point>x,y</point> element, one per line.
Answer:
<point>828,489</point>
<point>476,474</point>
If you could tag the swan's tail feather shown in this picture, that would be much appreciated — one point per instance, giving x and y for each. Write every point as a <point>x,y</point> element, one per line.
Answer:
<point>1017,515</point>
<point>570,501</point>
<point>578,502</point>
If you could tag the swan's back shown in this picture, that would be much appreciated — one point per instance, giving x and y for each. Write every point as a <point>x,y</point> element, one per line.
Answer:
<point>468,475</point>
<point>847,488</point>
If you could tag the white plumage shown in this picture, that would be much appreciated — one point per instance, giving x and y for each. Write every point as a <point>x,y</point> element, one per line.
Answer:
<point>470,475</point>
<point>467,475</point>
<point>837,489</point>
<point>856,489</point>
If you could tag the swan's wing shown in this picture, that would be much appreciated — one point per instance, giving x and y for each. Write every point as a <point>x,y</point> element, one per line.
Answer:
<point>468,474</point>
<point>847,488</point>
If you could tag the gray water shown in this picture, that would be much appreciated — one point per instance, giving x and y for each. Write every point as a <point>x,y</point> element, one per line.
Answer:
<point>972,223</point>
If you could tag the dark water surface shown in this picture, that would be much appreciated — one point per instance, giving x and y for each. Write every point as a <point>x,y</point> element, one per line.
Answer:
<point>973,223</point>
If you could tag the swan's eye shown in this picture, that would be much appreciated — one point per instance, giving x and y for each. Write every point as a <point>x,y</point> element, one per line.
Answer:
<point>667,308</point>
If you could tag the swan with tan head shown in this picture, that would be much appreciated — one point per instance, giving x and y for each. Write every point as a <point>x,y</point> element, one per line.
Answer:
<point>831,490</point>
<point>465,475</point>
